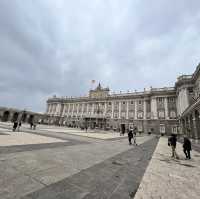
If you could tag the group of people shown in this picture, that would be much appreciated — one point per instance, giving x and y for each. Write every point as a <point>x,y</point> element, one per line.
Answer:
<point>16,126</point>
<point>186,146</point>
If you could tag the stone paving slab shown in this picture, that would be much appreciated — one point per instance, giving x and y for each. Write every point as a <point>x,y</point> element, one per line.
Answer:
<point>91,133</point>
<point>115,178</point>
<point>22,138</point>
<point>169,178</point>
<point>50,165</point>
<point>98,134</point>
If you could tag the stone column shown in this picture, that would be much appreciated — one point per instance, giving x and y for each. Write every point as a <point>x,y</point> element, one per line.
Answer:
<point>105,109</point>
<point>190,126</point>
<point>145,109</point>
<point>195,126</point>
<point>92,112</point>
<point>112,109</point>
<point>73,109</point>
<point>166,109</point>
<point>68,112</point>
<point>77,111</point>
<point>154,108</point>
<point>63,111</point>
<point>120,106</point>
<point>83,105</point>
<point>87,106</point>
<point>127,109</point>
<point>135,110</point>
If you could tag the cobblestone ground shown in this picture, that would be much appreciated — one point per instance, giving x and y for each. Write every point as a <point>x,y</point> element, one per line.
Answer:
<point>169,178</point>
<point>76,167</point>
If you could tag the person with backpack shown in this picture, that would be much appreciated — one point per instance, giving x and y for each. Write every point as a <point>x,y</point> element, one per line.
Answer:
<point>15,126</point>
<point>172,142</point>
<point>130,136</point>
<point>187,147</point>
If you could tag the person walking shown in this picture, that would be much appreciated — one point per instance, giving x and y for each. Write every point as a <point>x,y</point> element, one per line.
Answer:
<point>15,126</point>
<point>19,126</point>
<point>130,136</point>
<point>134,135</point>
<point>187,147</point>
<point>172,142</point>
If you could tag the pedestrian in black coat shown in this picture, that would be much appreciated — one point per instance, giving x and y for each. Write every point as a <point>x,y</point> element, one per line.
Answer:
<point>172,142</point>
<point>15,125</point>
<point>187,147</point>
<point>130,136</point>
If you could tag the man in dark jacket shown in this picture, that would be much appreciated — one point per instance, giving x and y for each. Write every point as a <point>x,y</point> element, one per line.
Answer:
<point>187,147</point>
<point>130,136</point>
<point>172,142</point>
<point>15,125</point>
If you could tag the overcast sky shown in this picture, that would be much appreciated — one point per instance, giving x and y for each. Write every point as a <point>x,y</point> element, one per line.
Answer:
<point>58,46</point>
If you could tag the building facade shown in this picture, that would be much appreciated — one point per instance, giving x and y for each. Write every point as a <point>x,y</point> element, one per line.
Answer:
<point>162,110</point>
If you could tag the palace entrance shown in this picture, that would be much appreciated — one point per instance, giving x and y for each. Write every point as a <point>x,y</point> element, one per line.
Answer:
<point>94,122</point>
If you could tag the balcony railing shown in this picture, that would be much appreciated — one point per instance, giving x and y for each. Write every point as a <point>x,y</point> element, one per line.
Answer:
<point>184,77</point>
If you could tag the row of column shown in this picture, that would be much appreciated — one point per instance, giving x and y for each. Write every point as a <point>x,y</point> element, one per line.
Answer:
<point>190,125</point>
<point>55,109</point>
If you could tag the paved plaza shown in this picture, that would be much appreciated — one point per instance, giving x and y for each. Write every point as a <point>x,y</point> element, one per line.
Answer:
<point>56,163</point>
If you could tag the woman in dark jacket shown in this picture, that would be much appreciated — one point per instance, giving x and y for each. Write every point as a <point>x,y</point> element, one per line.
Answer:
<point>187,147</point>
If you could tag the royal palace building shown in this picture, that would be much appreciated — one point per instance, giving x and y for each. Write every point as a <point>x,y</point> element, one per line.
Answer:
<point>161,110</point>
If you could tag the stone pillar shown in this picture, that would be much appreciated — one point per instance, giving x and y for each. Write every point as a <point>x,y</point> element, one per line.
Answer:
<point>73,109</point>
<point>135,110</point>
<point>68,112</point>
<point>166,109</point>
<point>77,112</point>
<point>190,123</point>
<point>145,109</point>
<point>87,107</point>
<point>82,109</point>
<point>195,126</point>
<point>154,114</point>
<point>105,109</point>
<point>92,112</point>
<point>127,109</point>
<point>112,109</point>
<point>120,105</point>
<point>183,127</point>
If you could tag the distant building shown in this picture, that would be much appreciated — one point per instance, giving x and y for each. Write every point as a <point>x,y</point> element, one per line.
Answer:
<point>162,110</point>
<point>12,114</point>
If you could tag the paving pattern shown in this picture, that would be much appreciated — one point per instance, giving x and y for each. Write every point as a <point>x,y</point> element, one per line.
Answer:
<point>22,138</point>
<point>116,177</point>
<point>169,178</point>
<point>77,163</point>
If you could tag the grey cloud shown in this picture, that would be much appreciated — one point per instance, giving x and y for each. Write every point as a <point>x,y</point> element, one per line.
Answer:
<point>57,47</point>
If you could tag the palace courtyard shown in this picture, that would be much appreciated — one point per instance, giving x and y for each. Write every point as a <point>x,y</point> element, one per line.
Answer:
<point>56,162</point>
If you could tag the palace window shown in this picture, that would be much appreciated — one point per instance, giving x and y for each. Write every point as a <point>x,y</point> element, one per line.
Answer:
<point>139,102</point>
<point>174,129</point>
<point>161,114</point>
<point>172,114</point>
<point>131,102</point>
<point>162,128</point>
<point>123,102</point>
<point>131,114</point>
<point>140,115</point>
<point>161,99</point>
<point>123,114</point>
<point>115,115</point>
<point>171,99</point>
